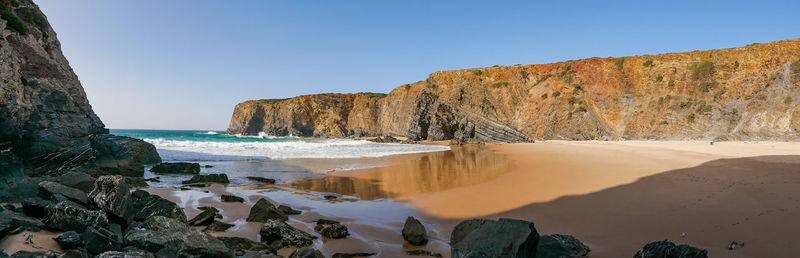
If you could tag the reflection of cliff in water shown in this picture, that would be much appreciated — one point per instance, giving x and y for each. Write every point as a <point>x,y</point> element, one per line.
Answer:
<point>431,172</point>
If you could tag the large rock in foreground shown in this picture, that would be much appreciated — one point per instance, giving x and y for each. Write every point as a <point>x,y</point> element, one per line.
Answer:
<point>145,205</point>
<point>48,189</point>
<point>279,234</point>
<point>160,232</point>
<point>112,194</point>
<point>489,238</point>
<point>263,211</point>
<point>414,232</point>
<point>66,216</point>
<point>557,246</point>
<point>668,249</point>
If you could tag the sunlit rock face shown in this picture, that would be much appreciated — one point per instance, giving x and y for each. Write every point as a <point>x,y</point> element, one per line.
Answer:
<point>748,92</point>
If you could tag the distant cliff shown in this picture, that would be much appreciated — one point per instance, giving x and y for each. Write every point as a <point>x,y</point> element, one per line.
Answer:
<point>749,92</point>
<point>47,126</point>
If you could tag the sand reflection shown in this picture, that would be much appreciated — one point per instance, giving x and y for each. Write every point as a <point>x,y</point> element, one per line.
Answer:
<point>422,173</point>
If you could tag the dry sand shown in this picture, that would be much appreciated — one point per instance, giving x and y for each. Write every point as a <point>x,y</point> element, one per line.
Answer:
<point>617,196</point>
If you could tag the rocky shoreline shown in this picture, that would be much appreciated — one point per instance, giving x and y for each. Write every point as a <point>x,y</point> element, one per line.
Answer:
<point>114,219</point>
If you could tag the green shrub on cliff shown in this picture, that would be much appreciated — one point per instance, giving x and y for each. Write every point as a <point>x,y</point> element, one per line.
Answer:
<point>659,78</point>
<point>648,63</point>
<point>620,62</point>
<point>787,100</point>
<point>13,22</point>
<point>706,86</point>
<point>556,94</point>
<point>499,84</point>
<point>702,70</point>
<point>690,118</point>
<point>702,107</point>
<point>544,96</point>
<point>795,67</point>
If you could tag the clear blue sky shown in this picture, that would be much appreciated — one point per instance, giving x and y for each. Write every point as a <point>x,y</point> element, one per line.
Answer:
<point>185,64</point>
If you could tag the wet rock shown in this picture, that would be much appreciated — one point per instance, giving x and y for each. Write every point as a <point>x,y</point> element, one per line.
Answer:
<point>203,219</point>
<point>423,252</point>
<point>121,155</point>
<point>385,139</point>
<point>146,205</point>
<point>34,254</point>
<point>288,210</point>
<point>231,198</point>
<point>69,240</point>
<point>12,222</point>
<point>489,238</point>
<point>99,240</point>
<point>277,233</point>
<point>241,245</point>
<point>153,179</point>
<point>136,182</point>
<point>331,197</point>
<point>176,168</point>
<point>48,189</point>
<point>668,249</point>
<point>210,178</point>
<point>34,207</point>
<point>77,180</point>
<point>75,253</point>
<point>219,226</point>
<point>352,255</point>
<point>203,208</point>
<point>112,194</point>
<point>260,254</point>
<point>557,245</point>
<point>66,216</point>
<point>331,229</point>
<point>157,233</point>
<point>263,211</point>
<point>306,252</point>
<point>126,254</point>
<point>262,179</point>
<point>414,232</point>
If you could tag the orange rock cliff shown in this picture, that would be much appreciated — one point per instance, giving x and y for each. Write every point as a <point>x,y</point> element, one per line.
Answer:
<point>745,93</point>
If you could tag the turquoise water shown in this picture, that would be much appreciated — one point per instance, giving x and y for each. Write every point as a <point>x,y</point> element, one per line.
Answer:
<point>197,145</point>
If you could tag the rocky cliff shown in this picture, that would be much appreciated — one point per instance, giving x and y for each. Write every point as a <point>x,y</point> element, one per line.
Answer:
<point>749,92</point>
<point>47,126</point>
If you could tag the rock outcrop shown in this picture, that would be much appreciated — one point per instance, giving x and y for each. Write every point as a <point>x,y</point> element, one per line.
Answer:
<point>47,126</point>
<point>749,92</point>
<point>490,238</point>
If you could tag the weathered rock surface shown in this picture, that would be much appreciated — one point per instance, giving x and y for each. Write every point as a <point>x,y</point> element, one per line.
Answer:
<point>331,229</point>
<point>262,179</point>
<point>78,180</point>
<point>66,216</point>
<point>159,232</point>
<point>218,226</point>
<point>668,249</point>
<point>99,240</point>
<point>352,255</point>
<point>740,93</point>
<point>126,254</point>
<point>306,252</point>
<point>277,233</point>
<point>145,205</point>
<point>34,207</point>
<point>203,219</point>
<point>489,238</point>
<point>210,178</point>
<point>69,240</point>
<point>241,245</point>
<point>263,211</point>
<point>112,195</point>
<point>414,232</point>
<point>48,189</point>
<point>176,168</point>
<point>231,198</point>
<point>288,210</point>
<point>34,254</point>
<point>557,246</point>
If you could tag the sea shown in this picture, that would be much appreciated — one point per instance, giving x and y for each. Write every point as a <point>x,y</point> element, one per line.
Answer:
<point>282,158</point>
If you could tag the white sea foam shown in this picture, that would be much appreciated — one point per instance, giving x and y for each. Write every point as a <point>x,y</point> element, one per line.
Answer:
<point>211,132</point>
<point>172,150</point>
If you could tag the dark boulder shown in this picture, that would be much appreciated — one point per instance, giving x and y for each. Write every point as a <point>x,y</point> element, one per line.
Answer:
<point>125,254</point>
<point>121,155</point>
<point>136,182</point>
<point>489,238</point>
<point>331,228</point>
<point>423,253</point>
<point>288,210</point>
<point>76,253</point>
<point>306,252</point>
<point>277,233</point>
<point>78,180</point>
<point>263,211</point>
<point>12,222</point>
<point>668,249</point>
<point>66,216</point>
<point>210,178</point>
<point>48,190</point>
<point>203,219</point>
<point>241,245</point>
<point>218,226</point>
<point>414,232</point>
<point>34,207</point>
<point>99,240</point>
<point>146,205</point>
<point>176,168</point>
<point>69,240</point>
<point>112,194</point>
<point>157,233</point>
<point>231,198</point>
<point>262,179</point>
<point>557,245</point>
<point>352,255</point>
<point>260,254</point>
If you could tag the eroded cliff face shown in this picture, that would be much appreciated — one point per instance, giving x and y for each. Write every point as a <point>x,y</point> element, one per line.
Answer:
<point>47,126</point>
<point>746,93</point>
